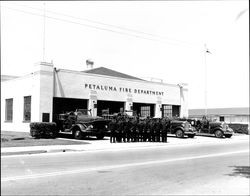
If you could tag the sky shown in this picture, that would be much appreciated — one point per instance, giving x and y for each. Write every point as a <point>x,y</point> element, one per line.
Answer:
<point>154,40</point>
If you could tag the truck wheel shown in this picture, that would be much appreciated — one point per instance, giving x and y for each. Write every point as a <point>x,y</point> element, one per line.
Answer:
<point>179,134</point>
<point>100,137</point>
<point>218,134</point>
<point>78,134</point>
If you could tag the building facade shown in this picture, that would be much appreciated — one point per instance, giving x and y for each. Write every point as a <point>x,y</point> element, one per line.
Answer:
<point>47,92</point>
<point>229,115</point>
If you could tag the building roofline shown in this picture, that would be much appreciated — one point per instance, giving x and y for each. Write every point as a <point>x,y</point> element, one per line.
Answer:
<point>106,76</point>
<point>220,111</point>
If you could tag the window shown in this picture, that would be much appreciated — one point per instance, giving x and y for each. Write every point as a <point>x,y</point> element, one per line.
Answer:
<point>222,118</point>
<point>167,110</point>
<point>45,117</point>
<point>27,109</point>
<point>145,111</point>
<point>176,110</point>
<point>9,110</point>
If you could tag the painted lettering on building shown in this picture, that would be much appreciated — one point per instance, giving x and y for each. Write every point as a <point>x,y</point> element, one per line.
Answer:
<point>122,89</point>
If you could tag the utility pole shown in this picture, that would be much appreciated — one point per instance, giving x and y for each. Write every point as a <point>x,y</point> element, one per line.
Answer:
<point>205,61</point>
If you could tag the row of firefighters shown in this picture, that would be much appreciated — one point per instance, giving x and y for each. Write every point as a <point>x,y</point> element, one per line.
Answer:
<point>127,129</point>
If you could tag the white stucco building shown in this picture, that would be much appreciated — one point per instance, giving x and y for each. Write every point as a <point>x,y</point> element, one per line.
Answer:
<point>41,95</point>
<point>229,115</point>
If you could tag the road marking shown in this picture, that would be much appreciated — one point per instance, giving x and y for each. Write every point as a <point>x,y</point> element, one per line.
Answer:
<point>115,166</point>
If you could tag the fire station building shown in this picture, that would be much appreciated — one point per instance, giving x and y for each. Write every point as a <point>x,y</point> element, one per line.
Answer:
<point>46,92</point>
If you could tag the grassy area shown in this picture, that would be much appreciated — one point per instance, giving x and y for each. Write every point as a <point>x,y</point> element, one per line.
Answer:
<point>21,139</point>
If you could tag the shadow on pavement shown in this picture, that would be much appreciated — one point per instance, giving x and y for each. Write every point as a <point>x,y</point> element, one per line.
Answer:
<point>210,136</point>
<point>243,171</point>
<point>173,136</point>
<point>70,136</point>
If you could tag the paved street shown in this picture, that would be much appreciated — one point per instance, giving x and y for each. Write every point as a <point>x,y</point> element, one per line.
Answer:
<point>216,168</point>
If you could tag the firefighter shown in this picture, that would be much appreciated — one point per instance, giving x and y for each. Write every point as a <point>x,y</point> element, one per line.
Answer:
<point>119,130</point>
<point>165,126</point>
<point>113,127</point>
<point>158,129</point>
<point>134,129</point>
<point>126,135</point>
<point>147,130</point>
<point>152,130</point>
<point>140,130</point>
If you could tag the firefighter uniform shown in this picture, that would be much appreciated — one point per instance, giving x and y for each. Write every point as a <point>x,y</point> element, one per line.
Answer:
<point>158,130</point>
<point>120,128</point>
<point>113,127</point>
<point>134,130</point>
<point>165,126</point>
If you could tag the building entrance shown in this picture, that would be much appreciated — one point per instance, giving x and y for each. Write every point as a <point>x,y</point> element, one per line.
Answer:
<point>109,107</point>
<point>62,105</point>
<point>144,109</point>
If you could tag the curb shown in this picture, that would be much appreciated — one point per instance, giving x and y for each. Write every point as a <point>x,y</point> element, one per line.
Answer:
<point>73,149</point>
<point>31,152</point>
<point>23,152</point>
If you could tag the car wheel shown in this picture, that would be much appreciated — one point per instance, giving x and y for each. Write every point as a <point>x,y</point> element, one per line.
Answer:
<point>218,134</point>
<point>78,134</point>
<point>179,134</point>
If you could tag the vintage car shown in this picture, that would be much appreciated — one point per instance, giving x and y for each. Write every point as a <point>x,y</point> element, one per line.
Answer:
<point>181,128</point>
<point>81,124</point>
<point>219,129</point>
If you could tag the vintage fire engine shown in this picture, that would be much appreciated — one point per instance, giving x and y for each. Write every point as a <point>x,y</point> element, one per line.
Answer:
<point>81,124</point>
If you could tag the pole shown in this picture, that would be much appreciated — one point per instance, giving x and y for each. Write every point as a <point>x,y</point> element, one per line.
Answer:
<point>205,93</point>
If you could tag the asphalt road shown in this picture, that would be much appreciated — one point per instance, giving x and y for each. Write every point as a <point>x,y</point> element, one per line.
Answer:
<point>201,169</point>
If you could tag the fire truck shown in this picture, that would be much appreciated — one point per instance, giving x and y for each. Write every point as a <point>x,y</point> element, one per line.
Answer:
<point>81,124</point>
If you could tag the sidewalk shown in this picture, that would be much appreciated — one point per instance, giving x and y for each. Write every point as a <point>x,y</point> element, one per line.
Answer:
<point>99,145</point>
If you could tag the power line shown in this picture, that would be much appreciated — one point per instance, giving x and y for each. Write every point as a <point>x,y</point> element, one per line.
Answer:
<point>91,26</point>
<point>113,26</point>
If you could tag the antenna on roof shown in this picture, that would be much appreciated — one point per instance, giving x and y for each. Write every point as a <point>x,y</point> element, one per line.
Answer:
<point>90,64</point>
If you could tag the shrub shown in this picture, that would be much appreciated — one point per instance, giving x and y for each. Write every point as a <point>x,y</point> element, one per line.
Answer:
<point>43,129</point>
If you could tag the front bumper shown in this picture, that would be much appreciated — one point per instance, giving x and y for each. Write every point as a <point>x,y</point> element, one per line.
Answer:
<point>189,133</point>
<point>228,133</point>
<point>96,131</point>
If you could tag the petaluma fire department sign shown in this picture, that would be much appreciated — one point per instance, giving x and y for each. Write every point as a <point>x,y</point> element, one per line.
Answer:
<point>122,89</point>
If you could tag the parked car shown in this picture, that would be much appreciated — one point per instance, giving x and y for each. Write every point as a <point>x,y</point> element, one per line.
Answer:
<point>219,129</point>
<point>181,128</point>
<point>81,124</point>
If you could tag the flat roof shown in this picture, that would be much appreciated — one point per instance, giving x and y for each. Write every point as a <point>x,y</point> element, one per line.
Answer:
<point>220,111</point>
